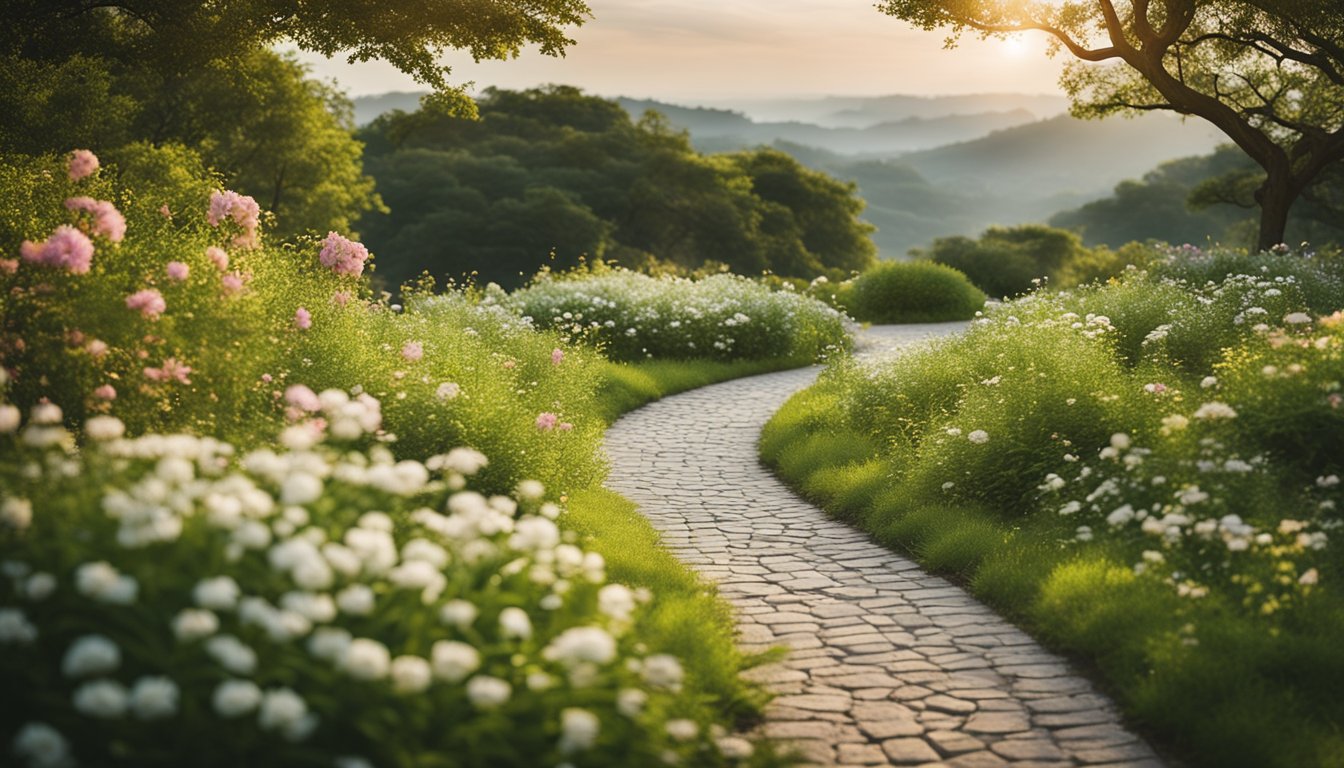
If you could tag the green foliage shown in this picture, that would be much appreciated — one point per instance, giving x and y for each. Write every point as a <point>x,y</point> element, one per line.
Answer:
<point>547,176</point>
<point>1008,261</point>
<point>631,316</point>
<point>912,292</point>
<point>1073,461</point>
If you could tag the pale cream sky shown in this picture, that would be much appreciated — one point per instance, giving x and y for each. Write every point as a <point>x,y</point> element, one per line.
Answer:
<point>704,50</point>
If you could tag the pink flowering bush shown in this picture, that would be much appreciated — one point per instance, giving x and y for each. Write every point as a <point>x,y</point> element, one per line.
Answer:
<point>342,255</point>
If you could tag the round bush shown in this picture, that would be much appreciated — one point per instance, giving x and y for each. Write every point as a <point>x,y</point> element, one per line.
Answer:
<point>913,292</point>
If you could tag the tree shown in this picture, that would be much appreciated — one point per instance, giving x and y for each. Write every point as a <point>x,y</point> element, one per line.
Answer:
<point>1268,73</point>
<point>183,35</point>
<point>1007,261</point>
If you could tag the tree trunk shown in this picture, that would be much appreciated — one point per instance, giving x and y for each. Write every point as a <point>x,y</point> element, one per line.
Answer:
<point>1276,197</point>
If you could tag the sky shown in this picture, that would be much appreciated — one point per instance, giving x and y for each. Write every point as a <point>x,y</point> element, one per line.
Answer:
<point>704,51</point>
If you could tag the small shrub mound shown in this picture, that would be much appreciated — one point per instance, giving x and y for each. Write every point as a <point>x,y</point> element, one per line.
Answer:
<point>631,316</point>
<point>912,292</point>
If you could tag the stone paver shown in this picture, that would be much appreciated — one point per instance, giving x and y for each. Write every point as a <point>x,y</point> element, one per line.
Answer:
<point>888,665</point>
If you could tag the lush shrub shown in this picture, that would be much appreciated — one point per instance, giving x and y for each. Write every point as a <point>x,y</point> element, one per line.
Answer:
<point>912,292</point>
<point>168,595</point>
<point>1008,261</point>
<point>1146,473</point>
<point>630,316</point>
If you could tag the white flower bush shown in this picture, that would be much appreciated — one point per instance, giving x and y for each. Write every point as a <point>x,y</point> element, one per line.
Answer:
<point>173,600</point>
<point>631,316</point>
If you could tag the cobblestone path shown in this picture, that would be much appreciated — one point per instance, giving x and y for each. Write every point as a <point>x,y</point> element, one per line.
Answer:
<point>888,665</point>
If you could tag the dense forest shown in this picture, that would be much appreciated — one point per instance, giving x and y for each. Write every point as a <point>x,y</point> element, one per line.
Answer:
<point>554,171</point>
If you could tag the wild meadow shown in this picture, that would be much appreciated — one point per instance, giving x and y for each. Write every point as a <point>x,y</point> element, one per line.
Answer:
<point>253,513</point>
<point>1145,473</point>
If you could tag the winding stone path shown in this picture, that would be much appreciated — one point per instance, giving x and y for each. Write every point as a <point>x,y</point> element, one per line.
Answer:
<point>887,665</point>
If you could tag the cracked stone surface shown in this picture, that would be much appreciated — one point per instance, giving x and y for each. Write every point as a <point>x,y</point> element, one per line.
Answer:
<point>888,665</point>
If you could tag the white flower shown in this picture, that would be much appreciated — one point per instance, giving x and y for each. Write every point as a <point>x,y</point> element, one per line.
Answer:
<point>578,729</point>
<point>410,674</point>
<point>581,644</point>
<point>954,432</point>
<point>453,661</point>
<point>458,613</point>
<point>46,414</point>
<point>39,586</point>
<point>1208,382</point>
<point>663,671</point>
<point>316,607</point>
<point>366,659</point>
<point>682,729</point>
<point>284,710</point>
<point>300,488</point>
<point>101,698</point>
<point>154,698</point>
<point>217,594</point>
<point>232,654</point>
<point>9,419</point>
<point>194,624</point>
<point>91,655</point>
<point>514,623</point>
<point>1215,410</point>
<point>1309,577</point>
<point>16,513</point>
<point>235,698</point>
<point>351,761</point>
<point>1120,441</point>
<point>486,692</point>
<point>533,534</point>
<point>426,550</point>
<point>448,391</point>
<point>356,600</point>
<point>329,643</point>
<point>1174,423</point>
<point>104,583</point>
<point>979,437</point>
<point>630,702</point>
<point>616,601</point>
<point>464,461</point>
<point>15,627</point>
<point>1297,318</point>
<point>42,745</point>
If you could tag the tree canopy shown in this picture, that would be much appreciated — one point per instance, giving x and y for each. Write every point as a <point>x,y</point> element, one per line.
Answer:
<point>177,35</point>
<point>556,172</point>
<point>1268,73</point>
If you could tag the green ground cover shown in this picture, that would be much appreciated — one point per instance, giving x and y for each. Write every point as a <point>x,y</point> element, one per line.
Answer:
<point>1144,474</point>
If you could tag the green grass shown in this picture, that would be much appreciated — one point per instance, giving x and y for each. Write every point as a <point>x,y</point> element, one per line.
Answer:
<point>624,387</point>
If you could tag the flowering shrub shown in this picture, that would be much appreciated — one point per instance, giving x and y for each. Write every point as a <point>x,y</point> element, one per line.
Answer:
<point>171,599</point>
<point>631,316</point>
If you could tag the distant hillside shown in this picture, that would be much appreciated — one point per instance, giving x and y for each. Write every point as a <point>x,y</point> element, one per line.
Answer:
<point>1063,155</point>
<point>369,107</point>
<point>719,130</point>
<point>864,111</point>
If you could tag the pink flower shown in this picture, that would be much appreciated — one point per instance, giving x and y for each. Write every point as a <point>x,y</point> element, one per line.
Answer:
<point>105,392</point>
<point>107,220</point>
<point>9,266</point>
<point>97,348</point>
<point>82,163</point>
<point>177,271</point>
<point>509,364</point>
<point>564,426</point>
<point>557,355</point>
<point>148,302</point>
<point>267,378</point>
<point>343,256</point>
<point>546,421</point>
<point>172,370</point>
<point>67,249</point>
<point>218,257</point>
<point>233,283</point>
<point>302,398</point>
<point>165,212</point>
<point>340,298</point>
<point>413,351</point>
<point>302,320</point>
<point>242,209</point>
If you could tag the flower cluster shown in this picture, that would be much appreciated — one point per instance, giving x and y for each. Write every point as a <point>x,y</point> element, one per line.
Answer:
<point>342,255</point>
<point>297,595</point>
<point>242,210</point>
<point>631,316</point>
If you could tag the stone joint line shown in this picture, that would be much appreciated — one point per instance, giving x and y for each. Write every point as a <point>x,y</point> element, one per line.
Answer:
<point>887,664</point>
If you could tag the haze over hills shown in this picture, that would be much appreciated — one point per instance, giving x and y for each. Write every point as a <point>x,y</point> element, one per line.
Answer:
<point>934,166</point>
